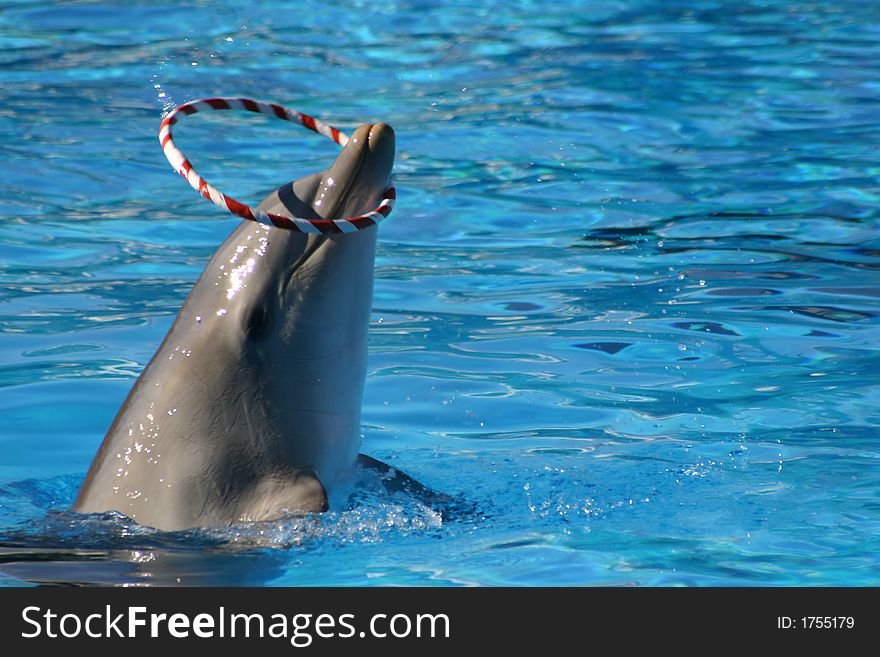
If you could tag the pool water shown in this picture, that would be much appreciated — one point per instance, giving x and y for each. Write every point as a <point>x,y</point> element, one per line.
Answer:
<point>625,309</point>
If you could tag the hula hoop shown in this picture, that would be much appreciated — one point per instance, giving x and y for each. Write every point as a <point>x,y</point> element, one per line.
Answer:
<point>180,164</point>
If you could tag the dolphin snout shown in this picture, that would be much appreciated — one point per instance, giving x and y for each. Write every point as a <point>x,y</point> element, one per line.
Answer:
<point>381,138</point>
<point>378,156</point>
<point>355,181</point>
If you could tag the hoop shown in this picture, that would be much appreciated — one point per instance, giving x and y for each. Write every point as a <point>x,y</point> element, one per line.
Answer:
<point>182,165</point>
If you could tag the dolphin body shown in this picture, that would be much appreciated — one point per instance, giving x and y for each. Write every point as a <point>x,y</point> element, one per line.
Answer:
<point>250,409</point>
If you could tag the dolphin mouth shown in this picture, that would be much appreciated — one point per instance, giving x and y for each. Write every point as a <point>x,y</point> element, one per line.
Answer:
<point>353,184</point>
<point>359,145</point>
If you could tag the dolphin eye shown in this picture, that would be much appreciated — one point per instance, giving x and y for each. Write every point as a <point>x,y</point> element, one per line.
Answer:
<point>255,321</point>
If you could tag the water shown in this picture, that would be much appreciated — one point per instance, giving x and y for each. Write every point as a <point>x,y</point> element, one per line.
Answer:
<point>626,307</point>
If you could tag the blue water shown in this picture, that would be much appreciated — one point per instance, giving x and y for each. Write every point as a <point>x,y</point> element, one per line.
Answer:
<point>626,307</point>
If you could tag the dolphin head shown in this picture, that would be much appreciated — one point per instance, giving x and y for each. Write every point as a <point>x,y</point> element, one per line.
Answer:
<point>258,384</point>
<point>298,308</point>
<point>319,279</point>
<point>307,330</point>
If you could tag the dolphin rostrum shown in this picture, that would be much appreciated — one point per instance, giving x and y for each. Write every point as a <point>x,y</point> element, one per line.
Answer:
<point>250,409</point>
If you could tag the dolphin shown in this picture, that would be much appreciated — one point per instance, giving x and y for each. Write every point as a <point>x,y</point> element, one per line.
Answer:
<point>250,408</point>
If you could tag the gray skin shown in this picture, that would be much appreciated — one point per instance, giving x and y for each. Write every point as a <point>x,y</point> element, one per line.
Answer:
<point>250,409</point>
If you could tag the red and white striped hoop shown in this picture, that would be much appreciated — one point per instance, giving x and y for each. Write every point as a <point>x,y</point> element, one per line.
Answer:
<point>185,169</point>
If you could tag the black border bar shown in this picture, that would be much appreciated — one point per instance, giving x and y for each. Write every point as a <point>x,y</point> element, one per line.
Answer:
<point>520,620</point>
